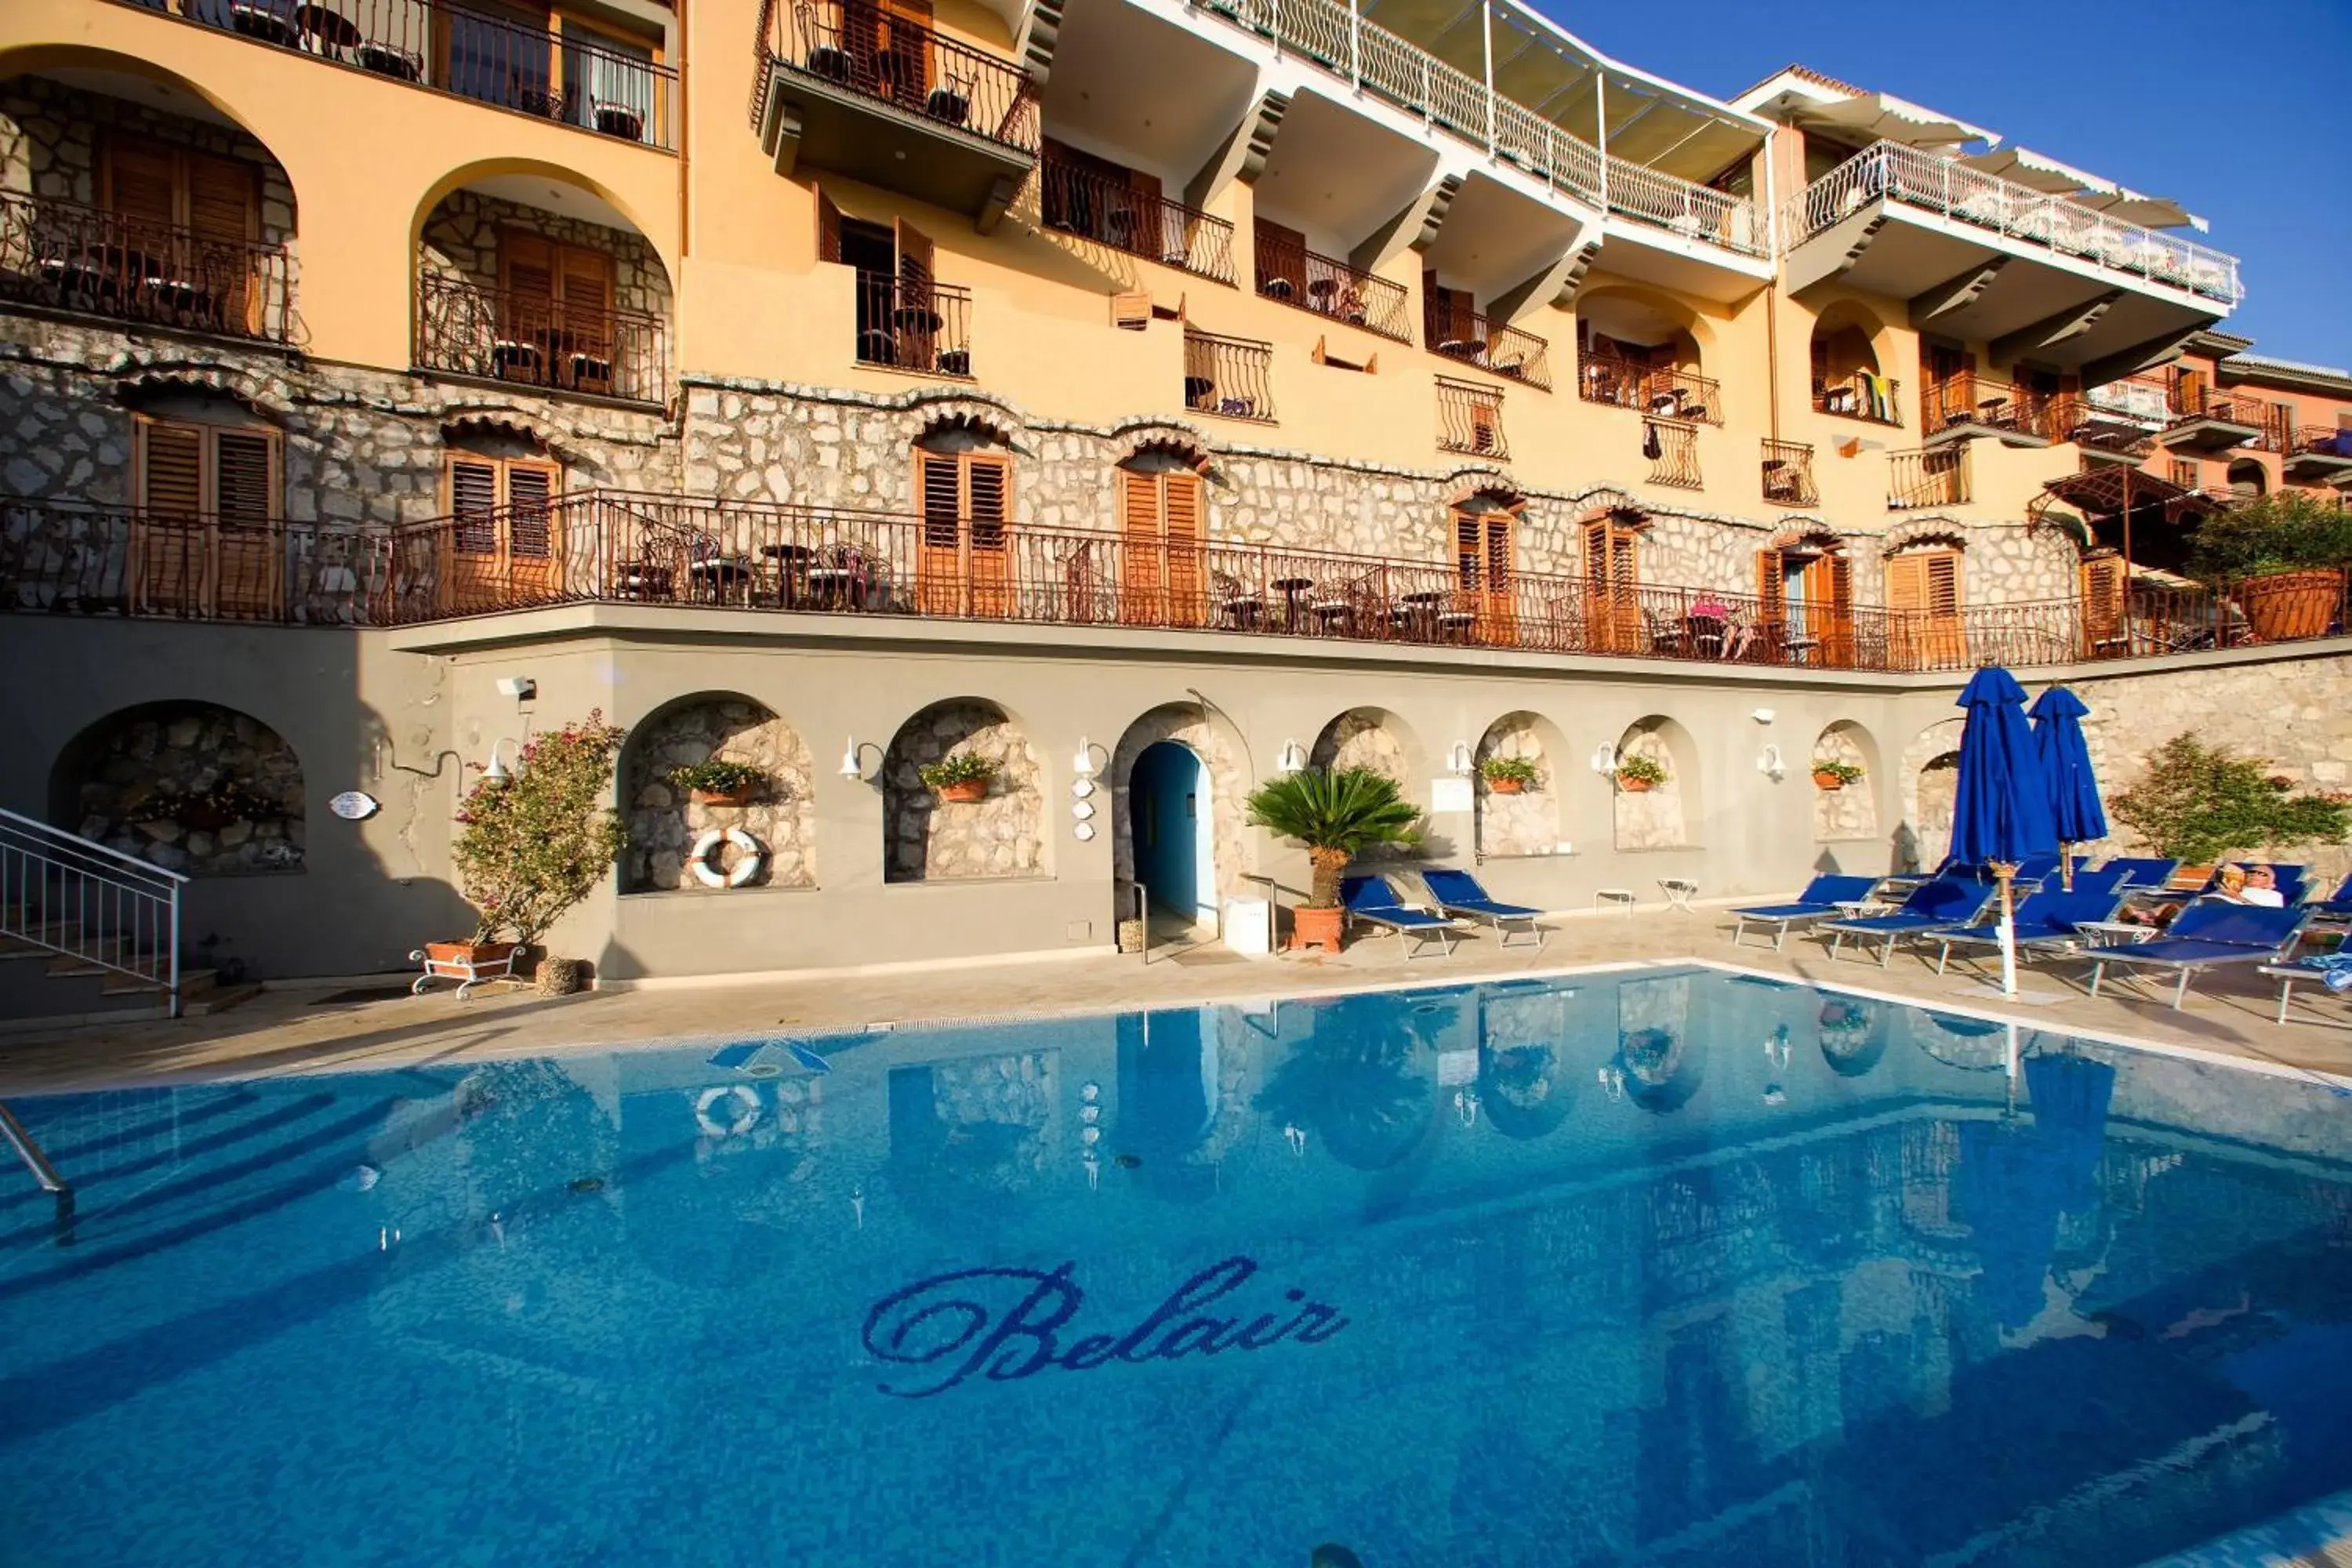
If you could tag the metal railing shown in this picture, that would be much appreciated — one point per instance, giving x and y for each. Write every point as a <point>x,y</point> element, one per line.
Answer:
<point>573,76</point>
<point>1093,205</point>
<point>1876,400</point>
<point>1894,172</point>
<point>1470,419</point>
<point>1938,476</point>
<point>44,1174</point>
<point>1693,211</point>
<point>100,908</point>
<point>620,547</point>
<point>1229,376</point>
<point>1662,391</point>
<point>1967,399</point>
<point>1787,473</point>
<point>2319,441</point>
<point>1295,274</point>
<point>1672,447</point>
<point>913,323</point>
<point>502,335</point>
<point>1460,332</point>
<point>75,257</point>
<point>885,57</point>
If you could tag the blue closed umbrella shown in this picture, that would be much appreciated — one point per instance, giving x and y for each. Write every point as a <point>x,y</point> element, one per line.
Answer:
<point>2074,808</point>
<point>2000,812</point>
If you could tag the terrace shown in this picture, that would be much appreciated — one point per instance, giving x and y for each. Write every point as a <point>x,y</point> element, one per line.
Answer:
<point>534,340</point>
<point>131,268</point>
<point>1475,340</point>
<point>1093,205</point>
<point>1293,275</point>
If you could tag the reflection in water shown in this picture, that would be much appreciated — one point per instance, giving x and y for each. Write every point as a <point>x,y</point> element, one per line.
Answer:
<point>1357,1087</point>
<point>1853,1036</point>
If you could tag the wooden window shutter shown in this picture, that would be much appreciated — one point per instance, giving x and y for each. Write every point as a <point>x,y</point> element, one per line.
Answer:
<point>1841,572</point>
<point>938,486</point>
<point>1469,548</point>
<point>244,477</point>
<point>1138,505</point>
<point>1907,583</point>
<point>828,226</point>
<point>170,469</point>
<point>1498,551</point>
<point>1943,581</point>
<point>526,264</point>
<point>1624,558</point>
<point>530,487</point>
<point>224,199</point>
<point>1771,585</point>
<point>2102,596</point>
<point>1181,508</point>
<point>989,485</point>
<point>141,182</point>
<point>585,278</point>
<point>916,258</point>
<point>473,500</point>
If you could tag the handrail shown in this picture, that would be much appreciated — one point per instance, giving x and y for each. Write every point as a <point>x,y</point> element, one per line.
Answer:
<point>1079,201</point>
<point>76,842</point>
<point>75,257</point>
<point>1291,274</point>
<point>91,902</point>
<point>1891,172</point>
<point>1459,333</point>
<point>878,54</point>
<point>36,1161</point>
<point>505,334</point>
<point>1662,391</point>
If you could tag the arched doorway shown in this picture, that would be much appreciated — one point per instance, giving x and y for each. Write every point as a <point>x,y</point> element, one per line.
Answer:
<point>1175,853</point>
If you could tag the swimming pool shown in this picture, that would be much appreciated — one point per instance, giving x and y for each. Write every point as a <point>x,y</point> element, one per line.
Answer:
<point>1657,1267</point>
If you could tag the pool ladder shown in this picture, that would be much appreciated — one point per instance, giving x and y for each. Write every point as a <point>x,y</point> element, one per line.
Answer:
<point>44,1173</point>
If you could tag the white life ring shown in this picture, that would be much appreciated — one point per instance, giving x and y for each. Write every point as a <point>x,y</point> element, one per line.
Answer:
<point>746,1111</point>
<point>704,857</point>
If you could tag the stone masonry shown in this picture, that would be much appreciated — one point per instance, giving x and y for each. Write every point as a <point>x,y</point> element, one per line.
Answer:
<point>1653,818</point>
<point>145,780</point>
<point>935,840</point>
<point>1527,823</point>
<point>1220,753</point>
<point>1848,813</point>
<point>664,820</point>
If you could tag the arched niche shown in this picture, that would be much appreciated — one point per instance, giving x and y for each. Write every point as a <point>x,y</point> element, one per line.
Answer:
<point>663,818</point>
<point>1845,354</point>
<point>1930,781</point>
<point>1218,749</point>
<point>1526,821</point>
<point>1851,811</point>
<point>194,787</point>
<point>1377,738</point>
<point>929,839</point>
<point>1661,816</point>
<point>2248,479</point>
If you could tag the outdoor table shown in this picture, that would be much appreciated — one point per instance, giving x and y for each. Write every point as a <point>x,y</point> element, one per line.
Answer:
<point>788,562</point>
<point>835,587</point>
<point>1333,612</point>
<point>1243,613</point>
<point>1278,288</point>
<point>2286,974</point>
<point>260,21</point>
<point>620,120</point>
<point>714,578</point>
<point>2114,933</point>
<point>1293,592</point>
<point>385,60</point>
<point>1679,892</point>
<point>1417,613</point>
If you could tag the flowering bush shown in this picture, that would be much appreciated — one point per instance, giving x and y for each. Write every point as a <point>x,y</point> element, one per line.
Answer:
<point>715,776</point>
<point>2199,802</point>
<point>534,845</point>
<point>1640,770</point>
<point>1498,769</point>
<point>955,768</point>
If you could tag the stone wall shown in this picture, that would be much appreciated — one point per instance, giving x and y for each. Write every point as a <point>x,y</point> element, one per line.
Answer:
<point>1655,818</point>
<point>144,784</point>
<point>1219,749</point>
<point>1848,813</point>
<point>1926,835</point>
<point>1527,823</point>
<point>935,840</point>
<point>664,820</point>
<point>1370,738</point>
<point>460,243</point>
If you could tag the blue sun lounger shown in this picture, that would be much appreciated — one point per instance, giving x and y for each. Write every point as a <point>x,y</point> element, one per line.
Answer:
<point>2044,921</point>
<point>1373,901</point>
<point>1941,905</point>
<point>2337,905</point>
<point>2206,935</point>
<point>1458,892</point>
<point>2144,873</point>
<point>1821,899</point>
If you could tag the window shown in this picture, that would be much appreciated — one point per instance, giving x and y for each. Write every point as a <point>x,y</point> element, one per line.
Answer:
<point>1482,528</point>
<point>964,495</point>
<point>499,54</point>
<point>1613,585</point>
<point>1805,593</point>
<point>2186,473</point>
<point>1083,195</point>
<point>608,82</point>
<point>905,318</point>
<point>1160,524</point>
<point>189,469</point>
<point>500,504</point>
<point>1923,602</point>
<point>2103,604</point>
<point>191,215</point>
<point>555,313</point>
<point>203,543</point>
<point>1470,419</point>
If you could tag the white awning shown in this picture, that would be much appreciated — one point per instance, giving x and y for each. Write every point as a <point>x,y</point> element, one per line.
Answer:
<point>1882,117</point>
<point>2148,211</point>
<point>2023,167</point>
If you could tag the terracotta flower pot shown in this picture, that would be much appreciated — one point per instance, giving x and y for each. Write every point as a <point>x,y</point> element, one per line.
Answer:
<point>1634,786</point>
<point>964,791</point>
<point>1316,927</point>
<point>476,955</point>
<point>1826,782</point>
<point>1507,786</point>
<point>2286,605</point>
<point>723,797</point>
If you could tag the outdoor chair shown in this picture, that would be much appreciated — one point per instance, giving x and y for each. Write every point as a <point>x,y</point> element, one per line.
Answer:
<point>2337,905</point>
<point>1944,904</point>
<point>1823,898</point>
<point>1373,901</point>
<point>2046,921</point>
<point>2143,873</point>
<point>2311,970</point>
<point>1459,893</point>
<point>2206,936</point>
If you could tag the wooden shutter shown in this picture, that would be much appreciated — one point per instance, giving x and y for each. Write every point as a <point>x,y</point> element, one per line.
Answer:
<point>244,492</point>
<point>1483,566</point>
<point>584,283</point>
<point>1184,518</point>
<point>224,199</point>
<point>526,264</point>
<point>1612,582</point>
<point>204,542</point>
<point>828,226</point>
<point>1923,600</point>
<point>938,565</point>
<point>916,258</point>
<point>1141,556</point>
<point>141,182</point>
<point>473,505</point>
<point>171,469</point>
<point>245,548</point>
<point>988,490</point>
<point>503,552</point>
<point>2103,605</point>
<point>1837,636</point>
<point>1771,588</point>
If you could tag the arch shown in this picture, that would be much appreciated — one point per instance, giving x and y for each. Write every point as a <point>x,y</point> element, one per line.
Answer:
<point>1171,442</point>
<point>1853,1034</point>
<point>1850,811</point>
<point>1918,531</point>
<point>1847,343</point>
<point>482,169</point>
<point>1377,738</point>
<point>1001,835</point>
<point>1213,740</point>
<point>663,819</point>
<point>192,786</point>
<point>1526,821</point>
<point>1657,1066</point>
<point>1525,1083</point>
<point>1627,334</point>
<point>957,430</point>
<point>1484,485</point>
<point>1661,816</point>
<point>145,388</point>
<point>1929,777</point>
<point>2248,478</point>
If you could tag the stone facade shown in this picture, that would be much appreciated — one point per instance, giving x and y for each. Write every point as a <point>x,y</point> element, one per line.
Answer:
<point>935,840</point>
<point>1370,738</point>
<point>1850,813</point>
<point>1527,823</point>
<point>1219,749</point>
<point>146,785</point>
<point>1929,782</point>
<point>460,243</point>
<point>664,820</point>
<point>1655,818</point>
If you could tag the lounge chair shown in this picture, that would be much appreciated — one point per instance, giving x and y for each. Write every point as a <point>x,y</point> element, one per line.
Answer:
<point>2045,921</point>
<point>2206,935</point>
<point>1942,905</point>
<point>1821,899</point>
<point>2143,873</point>
<point>2312,970</point>
<point>2336,906</point>
<point>1373,901</point>
<point>1458,892</point>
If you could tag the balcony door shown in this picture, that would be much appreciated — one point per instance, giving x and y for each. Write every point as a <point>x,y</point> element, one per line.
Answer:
<point>889,48</point>
<point>188,223</point>
<point>1483,568</point>
<point>207,541</point>
<point>1923,630</point>
<point>2104,630</point>
<point>1612,588</point>
<point>964,564</point>
<point>499,54</point>
<point>1162,580</point>
<point>555,322</point>
<point>501,546</point>
<point>1806,593</point>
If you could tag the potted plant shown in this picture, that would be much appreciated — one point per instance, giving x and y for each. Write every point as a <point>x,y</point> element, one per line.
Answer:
<point>1829,774</point>
<point>1336,815</point>
<point>715,782</point>
<point>1639,775</point>
<point>1508,775</point>
<point>530,847</point>
<point>2282,557</point>
<point>959,776</point>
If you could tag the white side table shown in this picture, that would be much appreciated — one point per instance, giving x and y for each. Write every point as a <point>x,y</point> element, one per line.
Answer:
<point>1679,892</point>
<point>1624,896</point>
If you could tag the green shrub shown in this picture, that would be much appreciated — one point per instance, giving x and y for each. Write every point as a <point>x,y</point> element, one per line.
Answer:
<point>1520,768</point>
<point>2202,803</point>
<point>534,844</point>
<point>713,776</point>
<point>955,768</point>
<point>2287,531</point>
<point>1337,815</point>
<point>1845,773</point>
<point>1640,770</point>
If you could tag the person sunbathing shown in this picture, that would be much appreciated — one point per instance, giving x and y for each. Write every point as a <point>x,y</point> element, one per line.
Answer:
<point>2261,888</point>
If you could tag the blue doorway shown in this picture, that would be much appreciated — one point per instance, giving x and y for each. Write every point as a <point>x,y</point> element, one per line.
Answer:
<point>1167,812</point>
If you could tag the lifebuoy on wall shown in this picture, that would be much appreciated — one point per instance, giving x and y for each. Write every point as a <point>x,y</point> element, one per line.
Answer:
<point>703,858</point>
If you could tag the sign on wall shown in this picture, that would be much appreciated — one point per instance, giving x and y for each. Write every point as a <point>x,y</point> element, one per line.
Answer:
<point>354,805</point>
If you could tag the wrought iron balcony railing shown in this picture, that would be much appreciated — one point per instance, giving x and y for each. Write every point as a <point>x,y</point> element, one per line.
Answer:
<point>532,340</point>
<point>1787,473</point>
<point>76,257</point>
<point>914,323</point>
<point>1938,476</point>
<point>1231,377</point>
<point>1095,206</point>
<point>1470,419</point>
<point>1664,392</point>
<point>1876,399</point>
<point>1672,447</point>
<point>1295,274</point>
<point>1461,333</point>
<point>893,61</point>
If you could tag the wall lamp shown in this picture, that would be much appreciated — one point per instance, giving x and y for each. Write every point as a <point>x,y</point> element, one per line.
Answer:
<point>496,773</point>
<point>1460,761</point>
<point>1769,765</point>
<point>1082,765</point>
<point>1605,758</point>
<point>1292,758</point>
<point>853,765</point>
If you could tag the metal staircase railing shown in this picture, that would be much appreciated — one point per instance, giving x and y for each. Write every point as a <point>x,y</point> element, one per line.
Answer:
<point>99,907</point>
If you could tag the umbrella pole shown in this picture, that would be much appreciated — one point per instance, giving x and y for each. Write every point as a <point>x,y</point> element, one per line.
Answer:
<point>2065,866</point>
<point>2002,870</point>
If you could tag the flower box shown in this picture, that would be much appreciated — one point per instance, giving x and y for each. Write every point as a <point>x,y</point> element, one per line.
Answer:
<point>470,963</point>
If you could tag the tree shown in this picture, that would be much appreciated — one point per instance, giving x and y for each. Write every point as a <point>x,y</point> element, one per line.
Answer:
<point>534,844</point>
<point>2291,530</point>
<point>2199,802</point>
<point>1337,815</point>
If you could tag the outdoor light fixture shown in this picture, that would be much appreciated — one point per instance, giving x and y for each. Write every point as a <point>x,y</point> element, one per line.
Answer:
<point>851,767</point>
<point>495,772</point>
<point>1459,759</point>
<point>1083,765</point>
<point>1604,758</point>
<point>1292,758</point>
<point>1768,763</point>
<point>1763,715</point>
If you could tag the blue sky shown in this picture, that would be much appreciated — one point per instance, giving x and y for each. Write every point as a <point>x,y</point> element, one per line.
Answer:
<point>2237,109</point>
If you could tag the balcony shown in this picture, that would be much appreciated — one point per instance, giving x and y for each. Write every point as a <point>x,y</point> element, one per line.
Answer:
<point>2317,454</point>
<point>528,340</point>
<point>1874,400</point>
<point>1096,207</point>
<point>849,86</point>
<point>1470,419</point>
<point>1938,476</point>
<point>1473,339</point>
<point>100,263</point>
<point>1231,378</point>
<point>1680,207</point>
<point>573,76</point>
<point>1660,391</point>
<point>1787,473</point>
<point>1672,447</point>
<point>914,324</point>
<point>2206,421</point>
<point>1964,406</point>
<point>1295,275</point>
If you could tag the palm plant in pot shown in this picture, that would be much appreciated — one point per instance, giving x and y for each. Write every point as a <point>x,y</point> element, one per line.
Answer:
<point>716,782</point>
<point>959,775</point>
<point>1338,814</point>
<point>1510,775</point>
<point>1829,774</point>
<point>1639,775</point>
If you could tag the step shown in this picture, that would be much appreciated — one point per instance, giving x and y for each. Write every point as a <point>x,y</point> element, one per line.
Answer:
<point>193,982</point>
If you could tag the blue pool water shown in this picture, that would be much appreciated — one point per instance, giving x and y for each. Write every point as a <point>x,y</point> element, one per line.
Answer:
<point>1655,1269</point>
